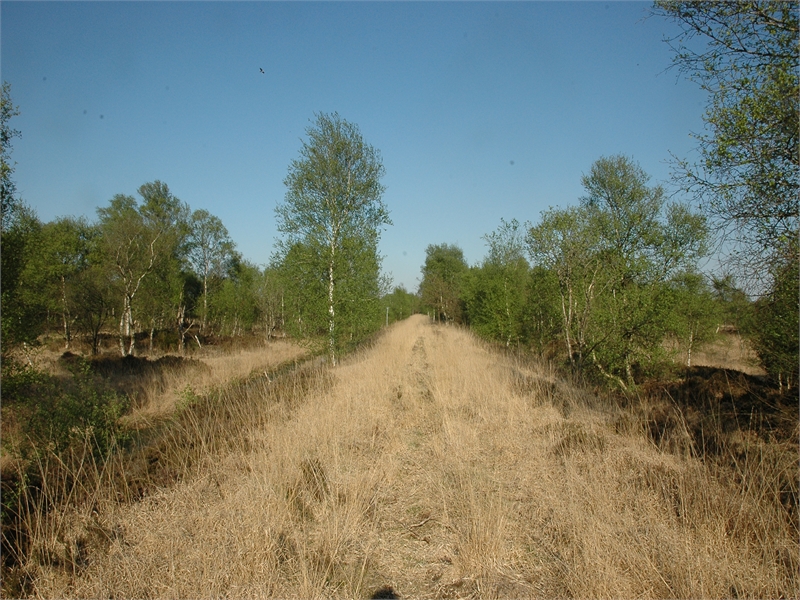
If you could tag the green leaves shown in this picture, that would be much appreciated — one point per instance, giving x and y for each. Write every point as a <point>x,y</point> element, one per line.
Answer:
<point>8,189</point>
<point>495,293</point>
<point>331,219</point>
<point>747,177</point>
<point>775,333</point>
<point>612,256</point>
<point>442,279</point>
<point>333,189</point>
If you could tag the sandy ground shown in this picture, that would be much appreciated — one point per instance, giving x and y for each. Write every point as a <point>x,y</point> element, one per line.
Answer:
<point>429,466</point>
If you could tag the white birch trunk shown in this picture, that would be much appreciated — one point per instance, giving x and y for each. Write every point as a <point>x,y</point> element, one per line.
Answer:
<point>331,316</point>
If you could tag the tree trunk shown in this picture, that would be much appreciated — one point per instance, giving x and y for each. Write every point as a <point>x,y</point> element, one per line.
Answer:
<point>331,317</point>
<point>205,302</point>
<point>181,331</point>
<point>122,317</point>
<point>567,315</point>
<point>65,313</point>
<point>125,325</point>
<point>131,330</point>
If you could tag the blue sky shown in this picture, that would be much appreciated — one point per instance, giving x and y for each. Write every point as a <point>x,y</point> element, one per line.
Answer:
<point>481,110</point>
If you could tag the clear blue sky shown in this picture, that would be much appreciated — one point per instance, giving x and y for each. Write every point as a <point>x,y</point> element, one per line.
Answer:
<point>480,110</point>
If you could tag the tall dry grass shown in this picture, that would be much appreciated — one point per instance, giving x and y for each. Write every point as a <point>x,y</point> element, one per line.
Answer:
<point>434,466</point>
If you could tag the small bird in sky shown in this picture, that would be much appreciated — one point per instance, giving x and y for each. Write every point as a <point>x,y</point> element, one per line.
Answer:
<point>262,70</point>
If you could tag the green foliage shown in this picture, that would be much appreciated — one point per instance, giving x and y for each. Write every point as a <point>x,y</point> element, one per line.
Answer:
<point>361,287</point>
<point>735,308</point>
<point>55,264</point>
<point>22,308</point>
<point>331,219</point>
<point>356,304</point>
<point>8,189</point>
<point>748,175</point>
<point>442,278</point>
<point>612,256</point>
<point>23,304</point>
<point>270,295</point>
<point>775,332</point>
<point>234,308</point>
<point>92,300</point>
<point>695,313</point>
<point>541,317</point>
<point>134,262</point>
<point>495,293</point>
<point>52,416</point>
<point>401,304</point>
<point>138,239</point>
<point>304,283</point>
<point>210,253</point>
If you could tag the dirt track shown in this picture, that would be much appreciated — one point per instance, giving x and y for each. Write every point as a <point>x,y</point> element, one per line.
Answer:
<point>427,466</point>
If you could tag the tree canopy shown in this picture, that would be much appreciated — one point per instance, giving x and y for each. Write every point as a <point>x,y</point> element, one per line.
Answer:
<point>442,279</point>
<point>331,220</point>
<point>613,255</point>
<point>747,178</point>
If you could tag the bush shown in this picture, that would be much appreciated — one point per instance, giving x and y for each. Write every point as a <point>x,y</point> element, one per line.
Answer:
<point>776,335</point>
<point>48,415</point>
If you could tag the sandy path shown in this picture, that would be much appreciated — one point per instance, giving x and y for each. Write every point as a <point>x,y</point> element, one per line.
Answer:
<point>426,467</point>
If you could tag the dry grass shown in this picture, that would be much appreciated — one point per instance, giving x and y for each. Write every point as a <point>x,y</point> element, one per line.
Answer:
<point>727,351</point>
<point>433,466</point>
<point>222,367</point>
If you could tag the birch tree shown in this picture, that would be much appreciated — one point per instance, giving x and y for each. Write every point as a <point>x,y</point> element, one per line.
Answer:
<point>134,238</point>
<point>747,176</point>
<point>210,252</point>
<point>614,255</point>
<point>333,207</point>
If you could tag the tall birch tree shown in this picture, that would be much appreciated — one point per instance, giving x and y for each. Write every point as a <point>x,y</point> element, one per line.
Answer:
<point>210,252</point>
<point>134,238</point>
<point>334,209</point>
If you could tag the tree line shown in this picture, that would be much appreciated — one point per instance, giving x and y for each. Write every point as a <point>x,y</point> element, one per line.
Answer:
<point>606,282</point>
<point>151,267</point>
<point>602,284</point>
<point>146,264</point>
<point>612,286</point>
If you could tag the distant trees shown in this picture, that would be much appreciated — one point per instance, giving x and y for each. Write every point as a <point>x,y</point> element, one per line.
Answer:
<point>747,178</point>
<point>693,315</point>
<point>608,282</point>
<point>235,307</point>
<point>137,239</point>
<point>495,293</point>
<point>56,264</point>
<point>400,303</point>
<point>22,307</point>
<point>775,332</point>
<point>210,252</point>
<point>442,280</point>
<point>331,219</point>
<point>149,263</point>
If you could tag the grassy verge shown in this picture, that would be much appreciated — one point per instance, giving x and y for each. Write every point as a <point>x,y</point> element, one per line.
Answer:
<point>429,465</point>
<point>87,433</point>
